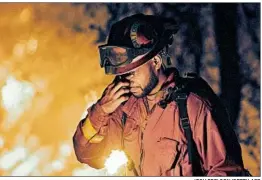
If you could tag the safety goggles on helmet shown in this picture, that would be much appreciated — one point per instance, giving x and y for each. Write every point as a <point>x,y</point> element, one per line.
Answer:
<point>118,56</point>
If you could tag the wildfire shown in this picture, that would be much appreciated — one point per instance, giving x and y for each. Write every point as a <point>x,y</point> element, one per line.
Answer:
<point>115,161</point>
<point>16,98</point>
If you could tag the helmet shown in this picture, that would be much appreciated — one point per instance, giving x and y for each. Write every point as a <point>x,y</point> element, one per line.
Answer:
<point>135,40</point>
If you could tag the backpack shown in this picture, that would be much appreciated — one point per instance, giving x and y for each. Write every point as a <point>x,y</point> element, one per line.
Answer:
<point>179,94</point>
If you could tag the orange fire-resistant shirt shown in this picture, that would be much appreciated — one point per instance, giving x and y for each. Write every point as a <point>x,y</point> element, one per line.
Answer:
<point>156,141</point>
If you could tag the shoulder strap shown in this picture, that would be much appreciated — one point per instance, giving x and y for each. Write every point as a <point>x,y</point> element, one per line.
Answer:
<point>179,94</point>
<point>181,100</point>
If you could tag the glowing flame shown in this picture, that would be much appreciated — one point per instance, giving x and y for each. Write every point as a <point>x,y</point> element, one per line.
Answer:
<point>9,159</point>
<point>2,142</point>
<point>31,46</point>
<point>16,97</point>
<point>25,15</point>
<point>19,50</point>
<point>115,160</point>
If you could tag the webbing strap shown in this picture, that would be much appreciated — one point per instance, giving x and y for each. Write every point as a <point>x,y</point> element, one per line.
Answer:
<point>181,100</point>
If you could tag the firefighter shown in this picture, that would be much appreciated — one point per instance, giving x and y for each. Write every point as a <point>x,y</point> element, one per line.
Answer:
<point>130,114</point>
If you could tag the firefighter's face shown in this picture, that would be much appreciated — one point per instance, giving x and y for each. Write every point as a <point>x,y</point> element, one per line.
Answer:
<point>143,80</point>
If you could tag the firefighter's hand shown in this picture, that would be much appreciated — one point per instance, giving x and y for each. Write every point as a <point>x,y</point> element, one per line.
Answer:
<point>115,94</point>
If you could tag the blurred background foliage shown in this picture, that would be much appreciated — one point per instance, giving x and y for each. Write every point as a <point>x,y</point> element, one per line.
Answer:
<point>50,74</point>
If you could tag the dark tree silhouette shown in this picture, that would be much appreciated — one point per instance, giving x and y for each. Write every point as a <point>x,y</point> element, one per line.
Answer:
<point>188,14</point>
<point>226,36</point>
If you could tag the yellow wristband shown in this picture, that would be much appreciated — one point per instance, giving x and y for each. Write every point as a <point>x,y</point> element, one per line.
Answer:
<point>90,133</point>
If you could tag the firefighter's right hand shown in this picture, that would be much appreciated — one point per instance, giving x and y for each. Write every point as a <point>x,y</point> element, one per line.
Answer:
<point>115,94</point>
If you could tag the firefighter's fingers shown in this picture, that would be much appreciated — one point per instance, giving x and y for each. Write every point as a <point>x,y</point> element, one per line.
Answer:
<point>118,86</point>
<point>120,92</point>
<point>121,100</point>
<point>110,86</point>
<point>106,91</point>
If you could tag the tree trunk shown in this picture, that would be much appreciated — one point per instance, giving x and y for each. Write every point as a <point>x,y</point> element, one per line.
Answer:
<point>226,36</point>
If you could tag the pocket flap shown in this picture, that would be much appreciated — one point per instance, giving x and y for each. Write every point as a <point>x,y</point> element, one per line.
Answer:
<point>170,152</point>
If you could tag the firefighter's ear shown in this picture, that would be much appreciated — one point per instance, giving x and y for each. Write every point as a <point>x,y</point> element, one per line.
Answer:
<point>157,62</point>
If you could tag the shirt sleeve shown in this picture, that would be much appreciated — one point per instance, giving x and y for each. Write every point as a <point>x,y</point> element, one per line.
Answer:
<point>90,138</point>
<point>98,118</point>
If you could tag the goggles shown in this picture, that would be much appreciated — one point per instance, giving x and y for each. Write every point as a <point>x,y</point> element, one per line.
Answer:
<point>117,56</point>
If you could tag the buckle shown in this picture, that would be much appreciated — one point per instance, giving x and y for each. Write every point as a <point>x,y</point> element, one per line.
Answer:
<point>185,122</point>
<point>181,96</point>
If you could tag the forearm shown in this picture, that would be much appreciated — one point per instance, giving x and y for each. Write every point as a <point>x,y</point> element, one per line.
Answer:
<point>89,138</point>
<point>91,153</point>
<point>98,118</point>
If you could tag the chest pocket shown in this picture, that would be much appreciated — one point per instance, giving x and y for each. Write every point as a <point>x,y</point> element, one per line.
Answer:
<point>171,153</point>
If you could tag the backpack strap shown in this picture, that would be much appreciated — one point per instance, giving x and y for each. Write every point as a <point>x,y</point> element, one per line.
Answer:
<point>181,100</point>
<point>179,94</point>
